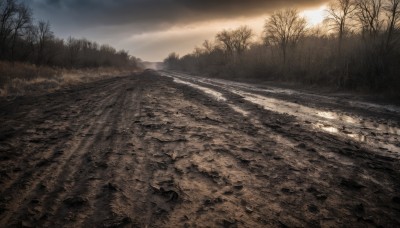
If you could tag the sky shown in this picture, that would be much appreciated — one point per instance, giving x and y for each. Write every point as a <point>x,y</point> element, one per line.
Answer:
<point>151,29</point>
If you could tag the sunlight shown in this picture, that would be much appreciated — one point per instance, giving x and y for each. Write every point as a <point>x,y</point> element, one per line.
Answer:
<point>184,38</point>
<point>314,16</point>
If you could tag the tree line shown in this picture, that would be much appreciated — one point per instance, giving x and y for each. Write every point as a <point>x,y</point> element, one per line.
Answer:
<point>24,40</point>
<point>356,47</point>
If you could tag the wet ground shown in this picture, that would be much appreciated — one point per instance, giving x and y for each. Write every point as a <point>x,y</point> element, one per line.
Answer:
<point>183,151</point>
<point>373,125</point>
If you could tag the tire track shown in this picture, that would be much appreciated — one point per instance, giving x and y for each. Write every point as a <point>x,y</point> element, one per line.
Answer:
<point>84,163</point>
<point>150,153</point>
<point>41,150</point>
<point>43,173</point>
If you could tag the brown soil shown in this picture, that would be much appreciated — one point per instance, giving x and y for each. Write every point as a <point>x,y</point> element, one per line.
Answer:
<point>143,151</point>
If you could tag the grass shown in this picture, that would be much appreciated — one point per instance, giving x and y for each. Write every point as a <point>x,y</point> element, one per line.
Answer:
<point>17,79</point>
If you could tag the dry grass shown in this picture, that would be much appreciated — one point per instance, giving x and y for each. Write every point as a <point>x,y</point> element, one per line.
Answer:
<point>18,79</point>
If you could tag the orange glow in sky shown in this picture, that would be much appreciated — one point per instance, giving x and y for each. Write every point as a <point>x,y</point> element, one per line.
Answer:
<point>185,38</point>
<point>314,16</point>
<point>151,29</point>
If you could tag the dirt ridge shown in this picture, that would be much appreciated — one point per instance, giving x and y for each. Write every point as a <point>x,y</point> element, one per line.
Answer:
<point>143,151</point>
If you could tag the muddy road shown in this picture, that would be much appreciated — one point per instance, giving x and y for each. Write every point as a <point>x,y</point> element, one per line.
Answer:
<point>171,150</point>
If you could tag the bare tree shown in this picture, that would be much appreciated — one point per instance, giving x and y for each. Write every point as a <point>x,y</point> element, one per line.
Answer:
<point>369,15</point>
<point>30,38</point>
<point>22,21</point>
<point>392,9</point>
<point>73,47</point>
<point>235,41</point>
<point>241,38</point>
<point>339,12</point>
<point>284,28</point>
<point>226,39</point>
<point>208,46</point>
<point>171,61</point>
<point>44,36</point>
<point>8,8</point>
<point>198,52</point>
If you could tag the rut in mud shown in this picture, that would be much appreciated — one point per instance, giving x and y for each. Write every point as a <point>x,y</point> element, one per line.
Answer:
<point>145,151</point>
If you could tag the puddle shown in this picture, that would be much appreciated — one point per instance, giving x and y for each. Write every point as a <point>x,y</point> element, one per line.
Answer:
<point>217,95</point>
<point>239,110</point>
<point>378,135</point>
<point>253,87</point>
<point>323,127</point>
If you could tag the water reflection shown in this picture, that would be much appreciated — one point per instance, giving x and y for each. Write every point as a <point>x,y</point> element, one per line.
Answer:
<point>327,115</point>
<point>376,134</point>
<point>359,137</point>
<point>329,129</point>
<point>381,135</point>
<point>217,95</point>
<point>239,110</point>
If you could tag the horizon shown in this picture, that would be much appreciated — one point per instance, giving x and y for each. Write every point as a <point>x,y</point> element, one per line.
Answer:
<point>151,37</point>
<point>227,113</point>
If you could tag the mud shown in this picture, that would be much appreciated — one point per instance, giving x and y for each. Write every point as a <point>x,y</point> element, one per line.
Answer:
<point>369,123</point>
<point>145,151</point>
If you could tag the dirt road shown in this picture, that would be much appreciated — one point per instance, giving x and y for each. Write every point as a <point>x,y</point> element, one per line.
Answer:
<point>153,151</point>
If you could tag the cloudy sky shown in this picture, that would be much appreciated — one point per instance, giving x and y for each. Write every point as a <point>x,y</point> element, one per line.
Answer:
<point>150,29</point>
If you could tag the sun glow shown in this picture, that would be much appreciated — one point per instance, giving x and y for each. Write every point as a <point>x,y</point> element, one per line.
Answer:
<point>314,16</point>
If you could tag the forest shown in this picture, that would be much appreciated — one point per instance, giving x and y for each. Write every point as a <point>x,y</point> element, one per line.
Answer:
<point>32,58</point>
<point>356,48</point>
<point>24,40</point>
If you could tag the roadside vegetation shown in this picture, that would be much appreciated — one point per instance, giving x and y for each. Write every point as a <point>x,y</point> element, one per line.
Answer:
<point>356,48</point>
<point>32,58</point>
<point>24,78</point>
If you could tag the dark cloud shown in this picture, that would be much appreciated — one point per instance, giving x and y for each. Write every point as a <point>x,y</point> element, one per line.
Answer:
<point>53,2</point>
<point>142,26</point>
